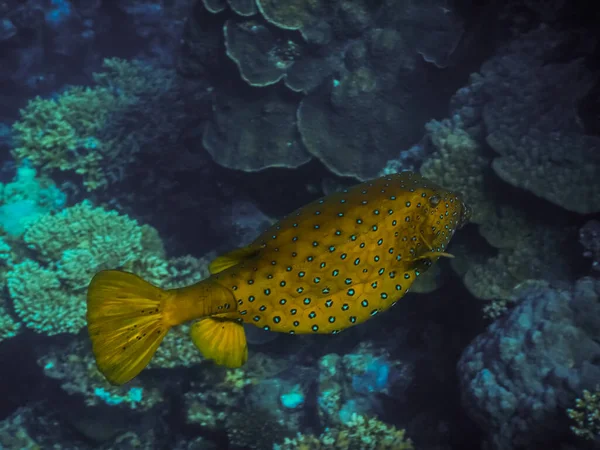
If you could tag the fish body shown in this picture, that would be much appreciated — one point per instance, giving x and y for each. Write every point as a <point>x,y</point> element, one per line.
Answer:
<point>330,265</point>
<point>344,258</point>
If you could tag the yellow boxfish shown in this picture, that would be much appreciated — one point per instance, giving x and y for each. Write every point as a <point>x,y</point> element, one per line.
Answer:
<point>330,265</point>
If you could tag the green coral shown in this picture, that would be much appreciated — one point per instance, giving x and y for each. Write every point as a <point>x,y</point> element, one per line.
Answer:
<point>41,302</point>
<point>115,238</point>
<point>360,433</point>
<point>67,133</point>
<point>48,292</point>
<point>586,415</point>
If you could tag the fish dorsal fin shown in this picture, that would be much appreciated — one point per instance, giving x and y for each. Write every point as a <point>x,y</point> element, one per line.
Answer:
<point>233,258</point>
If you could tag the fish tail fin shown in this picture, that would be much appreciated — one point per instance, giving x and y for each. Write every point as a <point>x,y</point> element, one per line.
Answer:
<point>126,323</point>
<point>222,340</point>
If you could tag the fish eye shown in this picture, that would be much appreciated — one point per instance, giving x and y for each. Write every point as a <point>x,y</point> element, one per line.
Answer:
<point>434,200</point>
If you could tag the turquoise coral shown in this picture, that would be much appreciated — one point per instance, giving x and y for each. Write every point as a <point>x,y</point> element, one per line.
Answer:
<point>74,367</point>
<point>27,197</point>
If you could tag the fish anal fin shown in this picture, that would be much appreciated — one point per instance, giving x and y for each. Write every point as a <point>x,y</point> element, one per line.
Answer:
<point>222,340</point>
<point>231,259</point>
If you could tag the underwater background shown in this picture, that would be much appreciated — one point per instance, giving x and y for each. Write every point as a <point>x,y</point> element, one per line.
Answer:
<point>155,135</point>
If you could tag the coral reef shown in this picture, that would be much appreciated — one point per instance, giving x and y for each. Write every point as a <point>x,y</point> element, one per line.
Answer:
<point>132,154</point>
<point>46,44</point>
<point>355,81</point>
<point>26,198</point>
<point>521,245</point>
<point>520,375</point>
<point>70,133</point>
<point>586,415</point>
<point>270,140</point>
<point>75,368</point>
<point>71,246</point>
<point>589,237</point>
<point>543,150</point>
<point>359,433</point>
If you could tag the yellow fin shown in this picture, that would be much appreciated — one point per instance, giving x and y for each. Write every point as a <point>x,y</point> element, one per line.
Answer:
<point>433,254</point>
<point>221,340</point>
<point>125,323</point>
<point>431,251</point>
<point>231,259</point>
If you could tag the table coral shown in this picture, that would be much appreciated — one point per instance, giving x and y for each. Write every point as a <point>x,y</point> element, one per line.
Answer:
<point>243,7</point>
<point>532,121</point>
<point>369,97</point>
<point>344,59</point>
<point>269,137</point>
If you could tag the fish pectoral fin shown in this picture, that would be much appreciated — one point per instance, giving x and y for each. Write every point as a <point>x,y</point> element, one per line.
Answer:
<point>222,340</point>
<point>426,242</point>
<point>233,258</point>
<point>432,254</point>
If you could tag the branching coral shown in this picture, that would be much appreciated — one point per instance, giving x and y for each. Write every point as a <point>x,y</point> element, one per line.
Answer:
<point>71,246</point>
<point>532,121</point>
<point>586,415</point>
<point>458,163</point>
<point>68,133</point>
